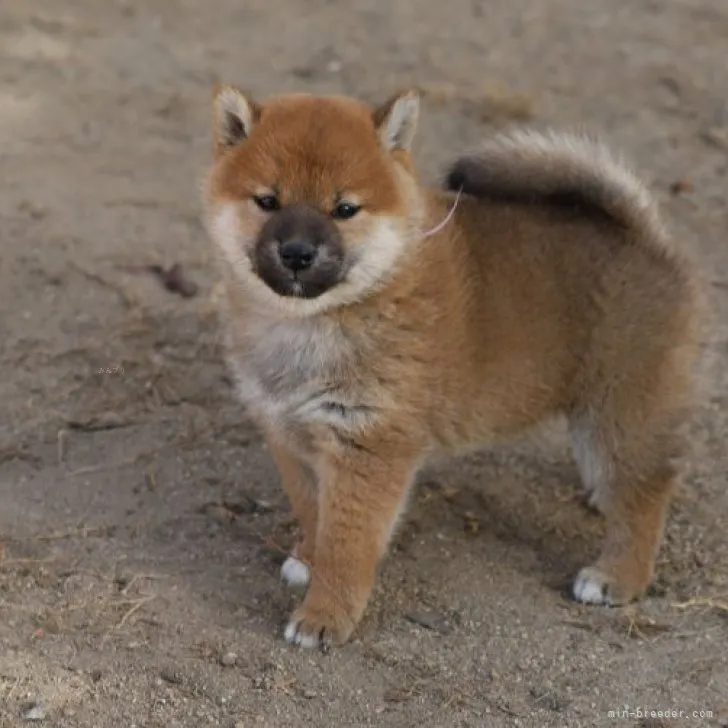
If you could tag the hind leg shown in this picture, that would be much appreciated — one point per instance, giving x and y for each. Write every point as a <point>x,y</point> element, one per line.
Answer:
<point>631,478</point>
<point>635,522</point>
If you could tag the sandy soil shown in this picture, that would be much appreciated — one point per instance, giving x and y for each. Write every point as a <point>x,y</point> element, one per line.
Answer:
<point>140,519</point>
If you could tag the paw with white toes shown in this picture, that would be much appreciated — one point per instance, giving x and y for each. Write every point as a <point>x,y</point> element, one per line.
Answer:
<point>322,628</point>
<point>591,586</point>
<point>295,573</point>
<point>307,640</point>
<point>594,586</point>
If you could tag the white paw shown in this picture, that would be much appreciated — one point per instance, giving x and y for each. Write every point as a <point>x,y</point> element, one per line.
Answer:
<point>295,574</point>
<point>293,636</point>
<point>591,586</point>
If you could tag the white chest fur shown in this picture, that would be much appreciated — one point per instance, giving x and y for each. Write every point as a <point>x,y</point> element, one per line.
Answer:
<point>297,372</point>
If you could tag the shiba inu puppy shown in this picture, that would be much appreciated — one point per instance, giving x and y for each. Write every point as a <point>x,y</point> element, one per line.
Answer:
<point>373,323</point>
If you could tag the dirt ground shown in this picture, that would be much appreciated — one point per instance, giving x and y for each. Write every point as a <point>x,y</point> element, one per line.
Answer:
<point>141,523</point>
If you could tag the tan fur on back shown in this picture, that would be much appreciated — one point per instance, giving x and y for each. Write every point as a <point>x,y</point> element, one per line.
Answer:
<point>554,290</point>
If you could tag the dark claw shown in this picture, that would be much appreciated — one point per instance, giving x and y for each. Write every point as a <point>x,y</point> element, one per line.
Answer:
<point>324,641</point>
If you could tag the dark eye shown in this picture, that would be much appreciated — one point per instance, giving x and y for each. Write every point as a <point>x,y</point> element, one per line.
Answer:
<point>345,211</point>
<point>269,203</point>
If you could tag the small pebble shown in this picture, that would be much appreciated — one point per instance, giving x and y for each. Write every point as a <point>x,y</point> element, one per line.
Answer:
<point>717,137</point>
<point>103,421</point>
<point>682,186</point>
<point>171,675</point>
<point>228,659</point>
<point>36,713</point>
<point>309,694</point>
<point>428,620</point>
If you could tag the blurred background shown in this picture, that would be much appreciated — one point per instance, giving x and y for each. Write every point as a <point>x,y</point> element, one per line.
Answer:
<point>141,523</point>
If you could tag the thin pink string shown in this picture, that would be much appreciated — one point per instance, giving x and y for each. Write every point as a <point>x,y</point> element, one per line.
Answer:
<point>447,219</point>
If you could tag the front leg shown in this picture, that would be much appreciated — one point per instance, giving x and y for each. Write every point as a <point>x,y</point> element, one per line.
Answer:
<point>299,483</point>
<point>362,493</point>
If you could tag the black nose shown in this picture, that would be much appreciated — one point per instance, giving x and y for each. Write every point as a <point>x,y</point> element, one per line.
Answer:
<point>297,255</point>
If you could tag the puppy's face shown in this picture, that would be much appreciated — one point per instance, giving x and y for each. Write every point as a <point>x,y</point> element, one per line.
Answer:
<point>312,200</point>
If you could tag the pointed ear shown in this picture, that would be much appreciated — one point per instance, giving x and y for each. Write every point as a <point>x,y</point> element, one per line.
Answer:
<point>235,114</point>
<point>396,120</point>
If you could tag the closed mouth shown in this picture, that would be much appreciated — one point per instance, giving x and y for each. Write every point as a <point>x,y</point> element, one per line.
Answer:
<point>293,285</point>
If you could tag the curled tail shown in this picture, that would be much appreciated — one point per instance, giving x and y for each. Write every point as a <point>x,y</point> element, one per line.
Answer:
<point>559,169</point>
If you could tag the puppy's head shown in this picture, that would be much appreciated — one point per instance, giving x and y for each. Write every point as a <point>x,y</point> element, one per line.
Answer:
<point>312,200</point>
